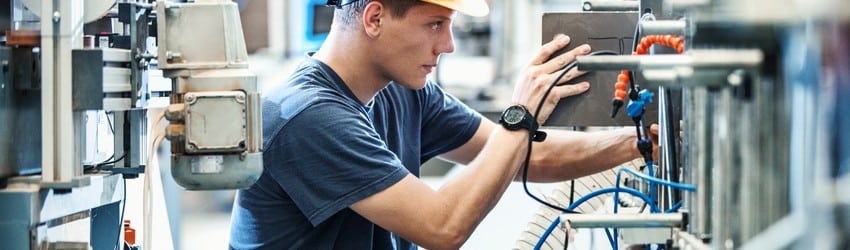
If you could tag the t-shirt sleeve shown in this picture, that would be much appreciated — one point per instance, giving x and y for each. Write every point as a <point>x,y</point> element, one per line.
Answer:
<point>328,157</point>
<point>447,122</point>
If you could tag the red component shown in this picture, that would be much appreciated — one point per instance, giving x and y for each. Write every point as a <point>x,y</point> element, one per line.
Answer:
<point>672,41</point>
<point>623,77</point>
<point>620,94</point>
<point>620,85</point>
<point>129,233</point>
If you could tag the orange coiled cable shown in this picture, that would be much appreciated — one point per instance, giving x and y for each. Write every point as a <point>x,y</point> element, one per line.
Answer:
<point>676,42</point>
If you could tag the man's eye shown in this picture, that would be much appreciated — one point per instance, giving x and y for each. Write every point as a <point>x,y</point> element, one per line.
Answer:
<point>436,25</point>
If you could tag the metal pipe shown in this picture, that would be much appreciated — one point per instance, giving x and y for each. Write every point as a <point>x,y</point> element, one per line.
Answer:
<point>662,27</point>
<point>603,5</point>
<point>668,144</point>
<point>627,62</point>
<point>699,131</point>
<point>726,171</point>
<point>623,220</point>
<point>696,59</point>
<point>684,240</point>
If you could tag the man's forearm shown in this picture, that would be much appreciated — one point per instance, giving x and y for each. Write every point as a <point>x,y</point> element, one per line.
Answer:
<point>569,154</point>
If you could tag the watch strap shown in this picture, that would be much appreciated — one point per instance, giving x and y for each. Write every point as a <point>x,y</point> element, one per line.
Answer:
<point>528,122</point>
<point>538,136</point>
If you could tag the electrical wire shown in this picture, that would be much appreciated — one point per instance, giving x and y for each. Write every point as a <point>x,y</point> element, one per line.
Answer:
<point>674,208</point>
<point>123,209</point>
<point>109,122</point>
<point>546,233</point>
<point>589,196</point>
<point>635,40</point>
<point>531,133</point>
<point>652,206</point>
<point>151,171</point>
<point>611,239</point>
<point>647,178</point>
<point>111,162</point>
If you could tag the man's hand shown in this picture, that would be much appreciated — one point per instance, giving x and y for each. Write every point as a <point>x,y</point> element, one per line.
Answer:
<point>653,134</point>
<point>539,74</point>
<point>571,233</point>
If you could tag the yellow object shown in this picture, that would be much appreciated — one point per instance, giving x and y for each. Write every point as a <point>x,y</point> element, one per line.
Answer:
<point>470,7</point>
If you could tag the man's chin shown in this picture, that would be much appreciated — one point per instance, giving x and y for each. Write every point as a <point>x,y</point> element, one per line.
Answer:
<point>415,85</point>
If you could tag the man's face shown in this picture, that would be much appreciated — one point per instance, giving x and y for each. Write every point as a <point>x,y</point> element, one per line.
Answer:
<point>409,46</point>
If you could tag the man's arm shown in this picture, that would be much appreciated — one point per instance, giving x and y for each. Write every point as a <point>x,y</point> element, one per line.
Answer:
<point>570,154</point>
<point>564,154</point>
<point>445,218</point>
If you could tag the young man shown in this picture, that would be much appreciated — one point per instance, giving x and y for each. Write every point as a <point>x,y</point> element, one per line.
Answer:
<point>345,137</point>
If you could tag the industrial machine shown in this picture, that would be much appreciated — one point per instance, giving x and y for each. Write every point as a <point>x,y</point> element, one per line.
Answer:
<point>79,80</point>
<point>762,159</point>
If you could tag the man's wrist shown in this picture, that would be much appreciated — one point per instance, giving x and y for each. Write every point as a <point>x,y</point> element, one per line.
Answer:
<point>630,140</point>
<point>518,117</point>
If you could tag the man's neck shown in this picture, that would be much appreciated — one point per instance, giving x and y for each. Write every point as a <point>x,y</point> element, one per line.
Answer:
<point>350,58</point>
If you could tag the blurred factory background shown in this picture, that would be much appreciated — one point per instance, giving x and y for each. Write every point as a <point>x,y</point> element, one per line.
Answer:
<point>758,89</point>
<point>279,32</point>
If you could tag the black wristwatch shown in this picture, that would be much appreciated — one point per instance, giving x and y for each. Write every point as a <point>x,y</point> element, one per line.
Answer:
<point>517,117</point>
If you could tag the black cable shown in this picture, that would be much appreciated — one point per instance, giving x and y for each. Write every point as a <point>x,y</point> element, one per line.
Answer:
<point>573,182</point>
<point>531,133</point>
<point>111,162</point>
<point>635,42</point>
<point>108,121</point>
<point>104,163</point>
<point>123,208</point>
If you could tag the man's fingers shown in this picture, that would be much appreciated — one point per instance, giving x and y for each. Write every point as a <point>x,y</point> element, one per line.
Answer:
<point>571,233</point>
<point>549,48</point>
<point>571,89</point>
<point>653,129</point>
<point>570,75</point>
<point>559,62</point>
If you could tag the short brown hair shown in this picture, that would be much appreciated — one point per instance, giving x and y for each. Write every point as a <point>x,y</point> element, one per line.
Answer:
<point>351,12</point>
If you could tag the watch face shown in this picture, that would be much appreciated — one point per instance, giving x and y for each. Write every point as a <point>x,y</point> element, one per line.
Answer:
<point>514,115</point>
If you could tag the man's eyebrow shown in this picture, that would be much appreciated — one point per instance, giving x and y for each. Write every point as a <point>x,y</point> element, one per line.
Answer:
<point>442,17</point>
<point>445,17</point>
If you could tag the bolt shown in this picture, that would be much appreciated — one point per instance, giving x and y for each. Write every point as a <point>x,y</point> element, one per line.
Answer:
<point>173,6</point>
<point>729,244</point>
<point>192,147</point>
<point>735,78</point>
<point>172,55</point>
<point>240,98</point>
<point>56,16</point>
<point>190,98</point>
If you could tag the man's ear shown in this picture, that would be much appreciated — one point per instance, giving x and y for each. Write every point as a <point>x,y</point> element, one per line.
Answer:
<point>372,17</point>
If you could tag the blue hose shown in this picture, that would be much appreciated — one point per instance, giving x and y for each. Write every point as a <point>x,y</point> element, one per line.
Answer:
<point>589,196</point>
<point>674,208</point>
<point>682,186</point>
<point>547,233</point>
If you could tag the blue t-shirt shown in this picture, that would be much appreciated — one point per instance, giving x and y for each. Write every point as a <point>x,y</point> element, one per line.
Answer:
<point>324,151</point>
